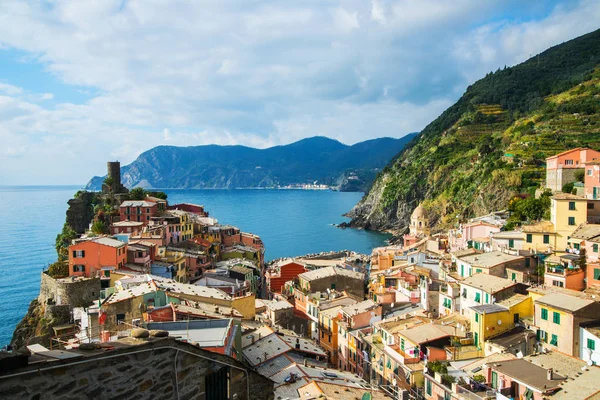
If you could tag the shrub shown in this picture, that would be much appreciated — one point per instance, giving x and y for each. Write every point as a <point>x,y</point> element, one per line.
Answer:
<point>567,187</point>
<point>59,269</point>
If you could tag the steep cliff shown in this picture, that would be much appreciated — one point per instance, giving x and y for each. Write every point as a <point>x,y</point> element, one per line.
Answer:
<point>493,142</point>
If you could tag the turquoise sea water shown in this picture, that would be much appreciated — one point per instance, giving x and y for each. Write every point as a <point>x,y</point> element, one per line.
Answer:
<point>290,222</point>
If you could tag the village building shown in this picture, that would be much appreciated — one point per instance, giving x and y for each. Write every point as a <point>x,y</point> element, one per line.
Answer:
<point>281,272</point>
<point>557,318</point>
<point>562,168</point>
<point>482,289</point>
<point>491,263</point>
<point>96,256</point>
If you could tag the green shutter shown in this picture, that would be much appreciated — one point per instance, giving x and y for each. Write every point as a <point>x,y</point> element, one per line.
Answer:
<point>591,344</point>
<point>478,297</point>
<point>554,341</point>
<point>544,314</point>
<point>595,247</point>
<point>571,220</point>
<point>428,386</point>
<point>556,318</point>
<point>597,273</point>
<point>546,239</point>
<point>529,238</point>
<point>513,276</point>
<point>511,243</point>
<point>476,317</point>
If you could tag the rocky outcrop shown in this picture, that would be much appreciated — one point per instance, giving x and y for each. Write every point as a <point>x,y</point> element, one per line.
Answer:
<point>81,211</point>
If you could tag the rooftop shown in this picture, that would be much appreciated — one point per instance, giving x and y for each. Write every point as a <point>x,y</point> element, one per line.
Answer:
<point>491,259</point>
<point>587,232</point>
<point>514,337</point>
<point>137,203</point>
<point>566,196</point>
<point>488,283</point>
<point>277,305</point>
<point>464,252</point>
<point>489,309</point>
<point>359,308</point>
<point>564,301</point>
<point>265,349</point>
<point>326,272</point>
<point>204,333</point>
<point>540,227</point>
<point>508,235</point>
<point>427,333</point>
<point>528,373</point>
<point>107,241</point>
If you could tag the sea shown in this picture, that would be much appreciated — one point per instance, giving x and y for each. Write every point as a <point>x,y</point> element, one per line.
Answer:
<point>290,223</point>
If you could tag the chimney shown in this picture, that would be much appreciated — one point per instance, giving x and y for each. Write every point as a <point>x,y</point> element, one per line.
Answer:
<point>305,362</point>
<point>252,339</point>
<point>259,335</point>
<point>549,374</point>
<point>266,355</point>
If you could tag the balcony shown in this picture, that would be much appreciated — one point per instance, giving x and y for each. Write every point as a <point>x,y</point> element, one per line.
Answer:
<point>562,271</point>
<point>141,260</point>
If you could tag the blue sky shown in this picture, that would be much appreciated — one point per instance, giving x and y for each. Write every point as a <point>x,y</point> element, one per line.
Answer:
<point>87,81</point>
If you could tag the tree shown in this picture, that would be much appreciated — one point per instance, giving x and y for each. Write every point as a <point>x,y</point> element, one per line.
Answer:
<point>158,195</point>
<point>63,241</point>
<point>580,175</point>
<point>137,193</point>
<point>99,227</point>
<point>59,269</point>
<point>567,187</point>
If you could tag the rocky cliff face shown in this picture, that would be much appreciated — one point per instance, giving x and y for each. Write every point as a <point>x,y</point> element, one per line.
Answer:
<point>492,144</point>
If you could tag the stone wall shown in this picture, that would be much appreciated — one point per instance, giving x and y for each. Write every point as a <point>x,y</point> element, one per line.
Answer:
<point>342,282</point>
<point>160,369</point>
<point>79,292</point>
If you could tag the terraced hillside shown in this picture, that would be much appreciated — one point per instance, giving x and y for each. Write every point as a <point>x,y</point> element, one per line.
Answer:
<point>493,142</point>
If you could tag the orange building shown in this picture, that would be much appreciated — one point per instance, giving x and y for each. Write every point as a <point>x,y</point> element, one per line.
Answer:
<point>561,168</point>
<point>87,258</point>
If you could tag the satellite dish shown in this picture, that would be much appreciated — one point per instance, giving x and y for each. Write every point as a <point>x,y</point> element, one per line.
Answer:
<point>499,322</point>
<point>590,362</point>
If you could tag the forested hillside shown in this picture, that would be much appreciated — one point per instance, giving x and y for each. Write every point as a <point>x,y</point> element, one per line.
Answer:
<point>457,166</point>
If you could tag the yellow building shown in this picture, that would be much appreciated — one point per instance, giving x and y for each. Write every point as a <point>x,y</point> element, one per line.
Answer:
<point>567,213</point>
<point>491,320</point>
<point>557,318</point>
<point>328,332</point>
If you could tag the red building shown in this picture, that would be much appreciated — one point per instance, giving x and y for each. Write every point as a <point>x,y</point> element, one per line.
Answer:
<point>191,208</point>
<point>138,211</point>
<point>282,272</point>
<point>88,258</point>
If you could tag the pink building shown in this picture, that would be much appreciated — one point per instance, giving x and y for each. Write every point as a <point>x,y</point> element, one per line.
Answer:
<point>351,317</point>
<point>521,379</point>
<point>592,180</point>
<point>138,211</point>
<point>470,232</point>
<point>561,168</point>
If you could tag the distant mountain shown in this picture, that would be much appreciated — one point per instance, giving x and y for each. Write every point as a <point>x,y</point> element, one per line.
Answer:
<point>314,160</point>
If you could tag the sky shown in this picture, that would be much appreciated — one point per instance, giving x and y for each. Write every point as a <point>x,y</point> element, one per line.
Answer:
<point>84,82</point>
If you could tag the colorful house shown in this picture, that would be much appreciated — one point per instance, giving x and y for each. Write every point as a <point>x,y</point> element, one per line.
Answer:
<point>138,211</point>
<point>89,257</point>
<point>492,263</point>
<point>482,289</point>
<point>561,168</point>
<point>557,318</point>
<point>282,272</point>
<point>328,333</point>
<point>592,180</point>
<point>351,317</point>
<point>491,320</point>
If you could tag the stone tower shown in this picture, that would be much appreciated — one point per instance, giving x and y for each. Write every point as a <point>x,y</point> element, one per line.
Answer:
<point>113,171</point>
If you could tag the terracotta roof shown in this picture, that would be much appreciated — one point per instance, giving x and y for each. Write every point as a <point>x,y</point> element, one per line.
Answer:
<point>567,196</point>
<point>567,152</point>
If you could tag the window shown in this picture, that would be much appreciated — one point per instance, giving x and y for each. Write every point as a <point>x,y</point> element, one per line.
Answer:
<point>591,344</point>
<point>478,297</point>
<point>589,172</point>
<point>595,247</point>
<point>529,238</point>
<point>402,344</point>
<point>571,220</point>
<point>554,341</point>
<point>487,298</point>
<point>516,318</point>
<point>597,273</point>
<point>78,253</point>
<point>511,243</point>
<point>568,162</point>
<point>545,314</point>
<point>494,380</point>
<point>528,395</point>
<point>476,317</point>
<point>78,268</point>
<point>528,262</point>
<point>428,387</point>
<point>558,283</point>
<point>547,237</point>
<point>590,206</point>
<point>513,276</point>
<point>120,318</point>
<point>541,335</point>
<point>556,318</point>
<point>333,286</point>
<point>478,271</point>
<point>572,206</point>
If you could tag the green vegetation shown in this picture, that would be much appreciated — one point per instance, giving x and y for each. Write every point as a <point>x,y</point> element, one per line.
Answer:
<point>479,378</point>
<point>528,209</point>
<point>59,269</point>
<point>63,241</point>
<point>158,195</point>
<point>534,110</point>
<point>137,193</point>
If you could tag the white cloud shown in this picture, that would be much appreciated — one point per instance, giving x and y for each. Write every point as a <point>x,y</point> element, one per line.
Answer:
<point>253,73</point>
